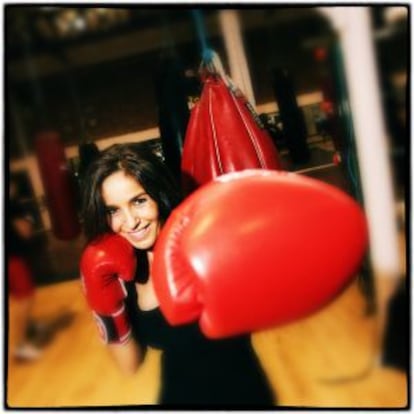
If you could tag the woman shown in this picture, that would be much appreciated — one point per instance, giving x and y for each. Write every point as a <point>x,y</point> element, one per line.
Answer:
<point>128,191</point>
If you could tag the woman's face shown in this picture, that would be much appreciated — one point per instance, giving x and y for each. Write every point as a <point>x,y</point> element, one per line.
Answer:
<point>132,213</point>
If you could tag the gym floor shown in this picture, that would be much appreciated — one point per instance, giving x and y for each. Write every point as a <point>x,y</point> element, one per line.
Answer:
<point>330,359</point>
<point>326,360</point>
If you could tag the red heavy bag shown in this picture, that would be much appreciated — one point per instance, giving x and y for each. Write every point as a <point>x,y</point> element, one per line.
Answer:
<point>224,134</point>
<point>58,185</point>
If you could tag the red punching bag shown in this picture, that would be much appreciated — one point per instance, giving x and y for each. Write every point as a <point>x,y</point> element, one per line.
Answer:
<point>224,134</point>
<point>58,185</point>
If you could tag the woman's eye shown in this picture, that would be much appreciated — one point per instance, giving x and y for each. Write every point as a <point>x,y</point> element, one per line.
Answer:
<point>111,211</point>
<point>140,200</point>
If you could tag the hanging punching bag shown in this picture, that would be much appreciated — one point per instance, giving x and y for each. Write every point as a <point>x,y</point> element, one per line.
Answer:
<point>224,134</point>
<point>173,112</point>
<point>58,185</point>
<point>294,127</point>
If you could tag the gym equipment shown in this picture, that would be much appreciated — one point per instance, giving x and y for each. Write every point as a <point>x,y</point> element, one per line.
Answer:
<point>58,185</point>
<point>105,265</point>
<point>255,249</point>
<point>224,133</point>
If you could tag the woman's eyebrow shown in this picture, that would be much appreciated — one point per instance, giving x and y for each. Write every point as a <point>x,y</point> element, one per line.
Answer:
<point>142,193</point>
<point>135,196</point>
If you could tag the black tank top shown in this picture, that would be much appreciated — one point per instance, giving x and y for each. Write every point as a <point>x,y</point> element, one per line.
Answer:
<point>198,371</point>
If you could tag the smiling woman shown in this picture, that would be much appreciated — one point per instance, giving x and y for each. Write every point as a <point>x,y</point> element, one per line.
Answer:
<point>128,195</point>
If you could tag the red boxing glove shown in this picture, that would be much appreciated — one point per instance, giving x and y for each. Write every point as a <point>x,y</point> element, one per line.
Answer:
<point>105,264</point>
<point>255,249</point>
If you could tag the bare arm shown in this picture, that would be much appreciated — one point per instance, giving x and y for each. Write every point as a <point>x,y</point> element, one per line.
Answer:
<point>128,356</point>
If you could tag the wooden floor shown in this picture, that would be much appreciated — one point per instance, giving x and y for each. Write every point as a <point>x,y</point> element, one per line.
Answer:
<point>326,360</point>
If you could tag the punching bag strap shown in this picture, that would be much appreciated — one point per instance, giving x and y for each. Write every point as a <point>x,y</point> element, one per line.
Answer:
<point>210,61</point>
<point>202,34</point>
<point>214,67</point>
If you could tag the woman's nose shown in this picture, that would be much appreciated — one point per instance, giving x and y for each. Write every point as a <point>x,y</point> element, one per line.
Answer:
<point>131,220</point>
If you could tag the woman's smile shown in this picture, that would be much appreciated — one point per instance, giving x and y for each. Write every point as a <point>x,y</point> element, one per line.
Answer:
<point>139,234</point>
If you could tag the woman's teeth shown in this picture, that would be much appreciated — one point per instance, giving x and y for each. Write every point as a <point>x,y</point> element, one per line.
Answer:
<point>139,234</point>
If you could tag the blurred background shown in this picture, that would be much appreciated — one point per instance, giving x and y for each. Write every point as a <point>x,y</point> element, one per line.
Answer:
<point>78,79</point>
